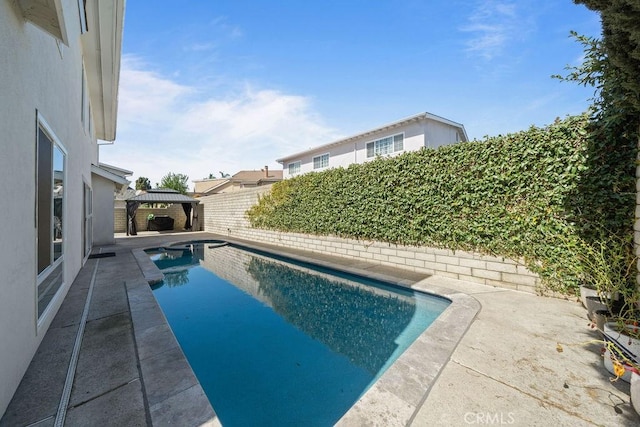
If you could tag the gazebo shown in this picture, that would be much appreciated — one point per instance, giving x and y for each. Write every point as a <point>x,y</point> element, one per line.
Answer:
<point>161,195</point>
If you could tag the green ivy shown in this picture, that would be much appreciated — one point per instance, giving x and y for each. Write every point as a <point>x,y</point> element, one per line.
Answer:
<point>531,195</point>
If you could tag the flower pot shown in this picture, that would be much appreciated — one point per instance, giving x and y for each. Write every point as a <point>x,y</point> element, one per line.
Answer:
<point>634,391</point>
<point>586,292</point>
<point>600,317</point>
<point>594,303</point>
<point>623,338</point>
<point>608,364</point>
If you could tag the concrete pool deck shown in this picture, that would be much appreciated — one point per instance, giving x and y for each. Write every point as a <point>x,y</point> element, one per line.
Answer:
<point>492,362</point>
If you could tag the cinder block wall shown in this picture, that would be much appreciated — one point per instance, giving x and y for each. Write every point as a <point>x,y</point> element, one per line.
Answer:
<point>225,214</point>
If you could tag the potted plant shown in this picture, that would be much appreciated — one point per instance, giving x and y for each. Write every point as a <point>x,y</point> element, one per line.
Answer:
<point>608,265</point>
<point>150,218</point>
<point>621,364</point>
<point>587,290</point>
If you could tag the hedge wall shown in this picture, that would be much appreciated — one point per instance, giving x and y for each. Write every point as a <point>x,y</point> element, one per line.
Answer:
<point>531,195</point>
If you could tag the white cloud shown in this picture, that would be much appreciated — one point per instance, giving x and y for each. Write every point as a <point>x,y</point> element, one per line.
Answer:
<point>493,25</point>
<point>221,23</point>
<point>164,126</point>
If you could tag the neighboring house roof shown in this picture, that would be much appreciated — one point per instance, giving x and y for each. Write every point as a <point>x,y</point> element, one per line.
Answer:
<point>162,195</point>
<point>242,178</point>
<point>402,122</point>
<point>116,170</point>
<point>207,185</point>
<point>125,194</point>
<point>219,183</point>
<point>255,177</point>
<point>119,180</point>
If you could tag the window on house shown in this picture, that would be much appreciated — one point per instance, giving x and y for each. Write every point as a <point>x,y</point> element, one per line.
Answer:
<point>50,206</point>
<point>388,145</point>
<point>87,229</point>
<point>84,103</point>
<point>321,161</point>
<point>294,168</point>
<point>83,15</point>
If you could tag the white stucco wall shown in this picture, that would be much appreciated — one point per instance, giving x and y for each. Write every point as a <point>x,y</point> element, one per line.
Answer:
<point>103,196</point>
<point>438,134</point>
<point>417,134</point>
<point>37,74</point>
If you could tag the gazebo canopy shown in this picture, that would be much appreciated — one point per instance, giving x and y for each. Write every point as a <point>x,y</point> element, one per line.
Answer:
<point>161,195</point>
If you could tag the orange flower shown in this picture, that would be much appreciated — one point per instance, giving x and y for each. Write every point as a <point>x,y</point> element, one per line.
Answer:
<point>618,369</point>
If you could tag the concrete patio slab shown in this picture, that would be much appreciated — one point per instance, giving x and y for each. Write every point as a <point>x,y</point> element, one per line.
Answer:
<point>107,358</point>
<point>491,360</point>
<point>39,393</point>
<point>122,406</point>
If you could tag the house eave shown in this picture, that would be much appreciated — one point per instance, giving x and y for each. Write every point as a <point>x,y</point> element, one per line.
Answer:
<point>117,179</point>
<point>47,15</point>
<point>115,169</point>
<point>102,49</point>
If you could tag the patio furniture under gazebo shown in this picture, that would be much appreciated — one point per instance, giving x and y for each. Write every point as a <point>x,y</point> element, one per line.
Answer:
<point>162,195</point>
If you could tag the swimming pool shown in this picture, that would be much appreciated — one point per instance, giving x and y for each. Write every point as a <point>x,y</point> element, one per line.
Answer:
<point>276,343</point>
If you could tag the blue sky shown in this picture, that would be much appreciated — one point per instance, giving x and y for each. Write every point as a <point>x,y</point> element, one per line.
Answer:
<point>229,85</point>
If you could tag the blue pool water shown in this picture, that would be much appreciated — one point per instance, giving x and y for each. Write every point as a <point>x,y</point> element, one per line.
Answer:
<point>275,343</point>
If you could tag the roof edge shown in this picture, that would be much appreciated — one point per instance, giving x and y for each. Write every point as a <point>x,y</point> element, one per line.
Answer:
<point>109,175</point>
<point>398,123</point>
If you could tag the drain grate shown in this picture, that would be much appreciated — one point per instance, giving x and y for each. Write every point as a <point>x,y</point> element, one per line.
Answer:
<point>102,255</point>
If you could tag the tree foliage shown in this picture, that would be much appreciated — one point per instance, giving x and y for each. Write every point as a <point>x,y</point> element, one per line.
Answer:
<point>143,183</point>
<point>175,181</point>
<point>620,50</point>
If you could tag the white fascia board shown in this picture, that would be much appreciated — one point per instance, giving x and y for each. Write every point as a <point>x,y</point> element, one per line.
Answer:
<point>115,169</point>
<point>117,179</point>
<point>102,51</point>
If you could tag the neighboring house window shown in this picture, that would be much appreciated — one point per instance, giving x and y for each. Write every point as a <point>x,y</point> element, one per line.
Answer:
<point>50,207</point>
<point>388,145</point>
<point>294,168</point>
<point>321,161</point>
<point>398,142</point>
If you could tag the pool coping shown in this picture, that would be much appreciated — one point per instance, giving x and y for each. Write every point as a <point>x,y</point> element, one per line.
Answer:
<point>398,394</point>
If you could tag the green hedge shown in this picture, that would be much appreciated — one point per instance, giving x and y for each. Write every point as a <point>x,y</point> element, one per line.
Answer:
<point>531,195</point>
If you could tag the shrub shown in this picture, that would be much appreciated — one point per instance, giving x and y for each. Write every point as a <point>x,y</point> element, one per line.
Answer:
<point>529,196</point>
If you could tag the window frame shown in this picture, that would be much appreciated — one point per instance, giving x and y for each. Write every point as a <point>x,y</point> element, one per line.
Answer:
<point>87,215</point>
<point>321,160</point>
<point>85,106</point>
<point>393,143</point>
<point>51,276</point>
<point>296,165</point>
<point>82,15</point>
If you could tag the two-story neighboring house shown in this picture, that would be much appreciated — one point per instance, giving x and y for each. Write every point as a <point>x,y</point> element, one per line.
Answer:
<point>59,74</point>
<point>409,134</point>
